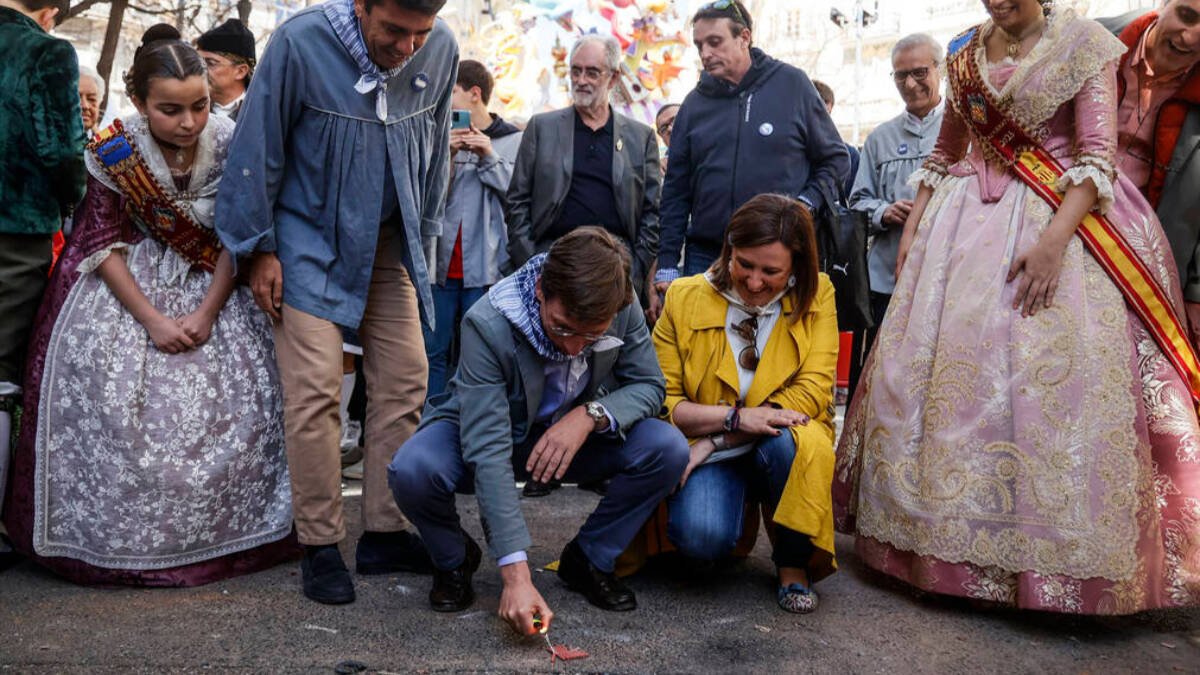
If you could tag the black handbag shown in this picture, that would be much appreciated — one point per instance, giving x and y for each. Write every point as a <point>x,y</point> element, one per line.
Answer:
<point>842,254</point>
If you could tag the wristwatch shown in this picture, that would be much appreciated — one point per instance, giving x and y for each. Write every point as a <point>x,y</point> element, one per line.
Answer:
<point>598,414</point>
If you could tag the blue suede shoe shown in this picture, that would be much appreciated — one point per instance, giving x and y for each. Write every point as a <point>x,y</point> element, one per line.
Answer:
<point>797,599</point>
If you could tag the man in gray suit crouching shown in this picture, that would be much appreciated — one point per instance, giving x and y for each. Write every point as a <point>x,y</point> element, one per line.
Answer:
<point>557,379</point>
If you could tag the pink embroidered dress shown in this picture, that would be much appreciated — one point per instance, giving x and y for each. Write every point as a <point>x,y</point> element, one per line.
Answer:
<point>1049,462</point>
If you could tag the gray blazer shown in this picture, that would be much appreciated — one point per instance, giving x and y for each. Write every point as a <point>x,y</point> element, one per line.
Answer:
<point>542,177</point>
<point>496,392</point>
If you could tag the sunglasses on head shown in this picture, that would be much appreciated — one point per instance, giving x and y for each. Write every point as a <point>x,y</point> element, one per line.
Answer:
<point>729,4</point>
<point>747,329</point>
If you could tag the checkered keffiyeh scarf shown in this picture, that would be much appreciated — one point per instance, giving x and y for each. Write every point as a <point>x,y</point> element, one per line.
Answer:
<point>515,298</point>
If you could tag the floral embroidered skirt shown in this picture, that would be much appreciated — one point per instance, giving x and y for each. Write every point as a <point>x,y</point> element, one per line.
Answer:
<point>1049,462</point>
<point>142,467</point>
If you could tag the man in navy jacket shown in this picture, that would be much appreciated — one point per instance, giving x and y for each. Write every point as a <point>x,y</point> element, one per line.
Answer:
<point>751,125</point>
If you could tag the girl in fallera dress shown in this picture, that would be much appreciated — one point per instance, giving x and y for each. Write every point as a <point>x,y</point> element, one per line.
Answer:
<point>152,448</point>
<point>1026,432</point>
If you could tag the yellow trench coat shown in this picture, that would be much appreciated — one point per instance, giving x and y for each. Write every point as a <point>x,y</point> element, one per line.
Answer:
<point>796,371</point>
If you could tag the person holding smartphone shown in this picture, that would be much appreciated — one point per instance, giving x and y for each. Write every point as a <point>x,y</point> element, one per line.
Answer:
<point>473,246</point>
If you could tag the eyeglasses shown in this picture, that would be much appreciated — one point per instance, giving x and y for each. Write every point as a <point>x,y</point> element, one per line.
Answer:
<point>559,331</point>
<point>729,4</point>
<point>590,72</point>
<point>747,329</point>
<point>665,128</point>
<point>918,74</point>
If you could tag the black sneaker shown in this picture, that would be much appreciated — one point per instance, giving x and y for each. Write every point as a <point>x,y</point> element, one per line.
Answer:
<point>452,590</point>
<point>602,589</point>
<point>391,552</point>
<point>326,579</point>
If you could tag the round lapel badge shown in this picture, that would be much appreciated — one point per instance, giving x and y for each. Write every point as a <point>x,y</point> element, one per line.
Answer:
<point>766,129</point>
<point>420,82</point>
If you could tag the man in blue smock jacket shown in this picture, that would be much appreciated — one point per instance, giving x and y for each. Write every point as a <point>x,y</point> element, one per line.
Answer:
<point>751,125</point>
<point>335,183</point>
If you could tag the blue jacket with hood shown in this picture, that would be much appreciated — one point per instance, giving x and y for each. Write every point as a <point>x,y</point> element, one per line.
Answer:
<point>770,133</point>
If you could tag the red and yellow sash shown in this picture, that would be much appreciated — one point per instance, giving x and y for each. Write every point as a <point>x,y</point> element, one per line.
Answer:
<point>148,203</point>
<point>1040,171</point>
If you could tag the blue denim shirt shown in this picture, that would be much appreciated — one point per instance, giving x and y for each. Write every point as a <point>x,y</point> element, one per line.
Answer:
<point>307,164</point>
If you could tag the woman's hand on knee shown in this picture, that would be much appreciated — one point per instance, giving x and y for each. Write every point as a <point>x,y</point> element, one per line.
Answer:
<point>768,421</point>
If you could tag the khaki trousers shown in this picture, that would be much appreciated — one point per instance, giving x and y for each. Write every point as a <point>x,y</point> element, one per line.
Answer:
<point>309,351</point>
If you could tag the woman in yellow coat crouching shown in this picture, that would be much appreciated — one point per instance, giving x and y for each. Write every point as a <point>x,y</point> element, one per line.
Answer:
<point>749,350</point>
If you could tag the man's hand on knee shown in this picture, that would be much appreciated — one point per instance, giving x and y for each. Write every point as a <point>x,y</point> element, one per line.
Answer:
<point>520,601</point>
<point>552,454</point>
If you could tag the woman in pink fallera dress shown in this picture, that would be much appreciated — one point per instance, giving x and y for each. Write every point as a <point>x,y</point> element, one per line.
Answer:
<point>1020,437</point>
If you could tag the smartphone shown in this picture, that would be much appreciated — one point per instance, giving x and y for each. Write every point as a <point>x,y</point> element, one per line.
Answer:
<point>460,119</point>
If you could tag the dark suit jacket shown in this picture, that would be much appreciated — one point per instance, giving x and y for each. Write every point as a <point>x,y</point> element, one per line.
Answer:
<point>496,392</point>
<point>542,177</point>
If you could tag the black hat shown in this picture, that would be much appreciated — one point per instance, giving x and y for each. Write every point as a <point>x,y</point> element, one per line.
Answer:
<point>231,37</point>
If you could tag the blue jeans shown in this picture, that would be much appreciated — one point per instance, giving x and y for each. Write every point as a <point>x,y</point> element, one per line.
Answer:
<point>450,303</point>
<point>705,518</point>
<point>428,471</point>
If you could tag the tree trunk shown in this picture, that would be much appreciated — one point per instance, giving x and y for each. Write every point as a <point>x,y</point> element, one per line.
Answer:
<point>243,10</point>
<point>112,36</point>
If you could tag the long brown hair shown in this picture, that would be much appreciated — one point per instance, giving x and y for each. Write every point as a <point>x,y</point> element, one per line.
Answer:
<point>767,219</point>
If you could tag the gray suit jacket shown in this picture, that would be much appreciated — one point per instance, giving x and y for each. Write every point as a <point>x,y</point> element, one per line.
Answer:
<point>496,391</point>
<point>542,177</point>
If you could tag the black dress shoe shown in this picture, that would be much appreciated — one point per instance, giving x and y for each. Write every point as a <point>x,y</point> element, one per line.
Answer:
<point>535,488</point>
<point>326,578</point>
<point>600,487</point>
<point>391,552</point>
<point>452,591</point>
<point>602,589</point>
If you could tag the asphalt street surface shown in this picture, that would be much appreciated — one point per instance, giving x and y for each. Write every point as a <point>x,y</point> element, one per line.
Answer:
<point>262,623</point>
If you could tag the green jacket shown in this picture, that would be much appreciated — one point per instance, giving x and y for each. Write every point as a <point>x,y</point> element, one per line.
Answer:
<point>42,174</point>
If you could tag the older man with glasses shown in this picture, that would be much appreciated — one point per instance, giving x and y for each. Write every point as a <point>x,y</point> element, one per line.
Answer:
<point>609,175</point>
<point>890,154</point>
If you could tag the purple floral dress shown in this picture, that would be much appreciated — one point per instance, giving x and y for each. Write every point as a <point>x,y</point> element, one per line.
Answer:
<point>135,466</point>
